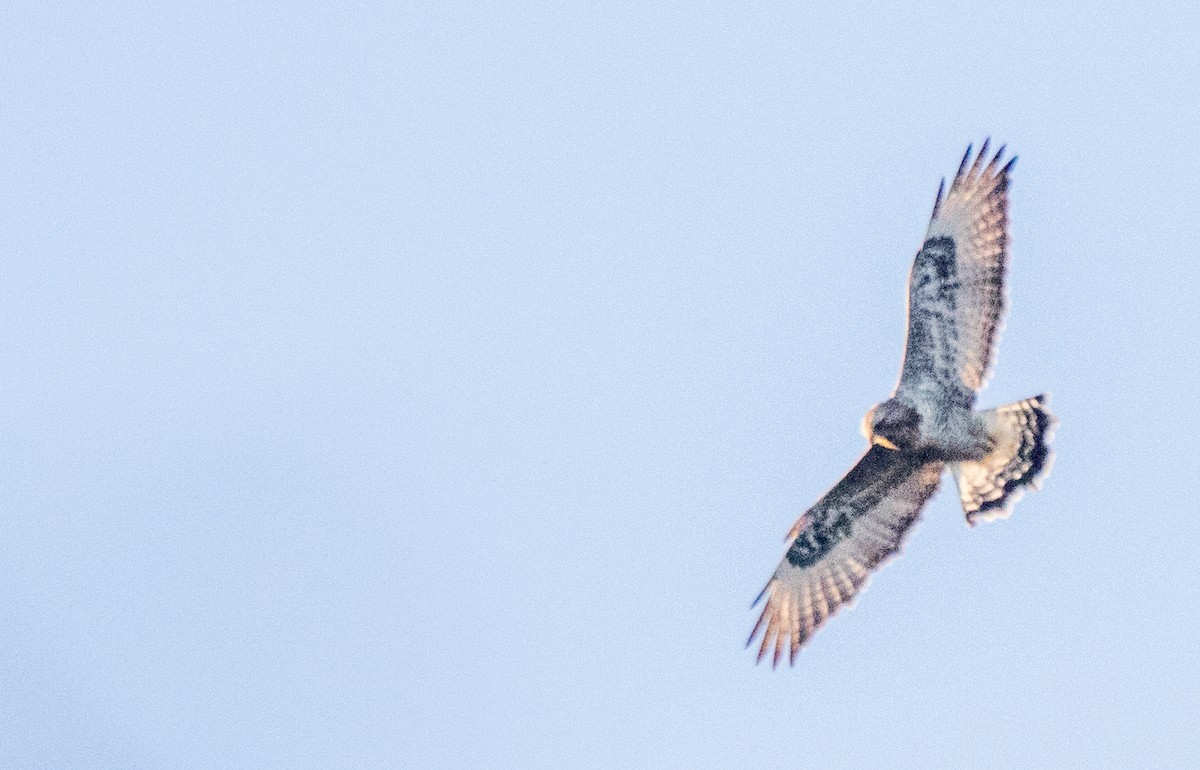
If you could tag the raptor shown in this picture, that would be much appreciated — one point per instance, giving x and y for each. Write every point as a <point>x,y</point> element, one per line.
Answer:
<point>956,301</point>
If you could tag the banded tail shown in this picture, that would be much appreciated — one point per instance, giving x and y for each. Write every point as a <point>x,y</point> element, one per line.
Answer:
<point>1020,458</point>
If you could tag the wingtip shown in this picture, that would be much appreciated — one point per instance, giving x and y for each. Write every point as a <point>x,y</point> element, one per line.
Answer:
<point>983,151</point>
<point>963,164</point>
<point>996,158</point>
<point>758,625</point>
<point>974,163</point>
<point>762,650</point>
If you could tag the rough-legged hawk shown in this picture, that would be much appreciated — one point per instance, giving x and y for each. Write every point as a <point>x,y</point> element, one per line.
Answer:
<point>955,303</point>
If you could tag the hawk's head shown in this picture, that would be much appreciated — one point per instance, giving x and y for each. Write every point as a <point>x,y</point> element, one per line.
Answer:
<point>892,425</point>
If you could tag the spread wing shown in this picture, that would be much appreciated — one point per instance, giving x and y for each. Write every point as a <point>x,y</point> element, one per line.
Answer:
<point>839,541</point>
<point>956,289</point>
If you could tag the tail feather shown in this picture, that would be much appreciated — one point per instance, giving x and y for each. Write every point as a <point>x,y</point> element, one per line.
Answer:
<point>1020,458</point>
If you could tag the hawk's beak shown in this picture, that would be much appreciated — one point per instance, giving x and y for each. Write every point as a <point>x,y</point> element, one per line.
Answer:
<point>883,442</point>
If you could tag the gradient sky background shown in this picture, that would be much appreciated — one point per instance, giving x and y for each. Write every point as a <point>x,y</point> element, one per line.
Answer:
<point>433,388</point>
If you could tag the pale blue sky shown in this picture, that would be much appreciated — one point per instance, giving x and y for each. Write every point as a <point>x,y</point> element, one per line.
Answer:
<point>433,388</point>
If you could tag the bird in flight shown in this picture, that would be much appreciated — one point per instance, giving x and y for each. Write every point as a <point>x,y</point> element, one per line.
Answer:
<point>956,300</point>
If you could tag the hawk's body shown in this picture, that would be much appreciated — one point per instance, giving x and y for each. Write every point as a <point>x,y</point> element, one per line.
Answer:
<point>955,305</point>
